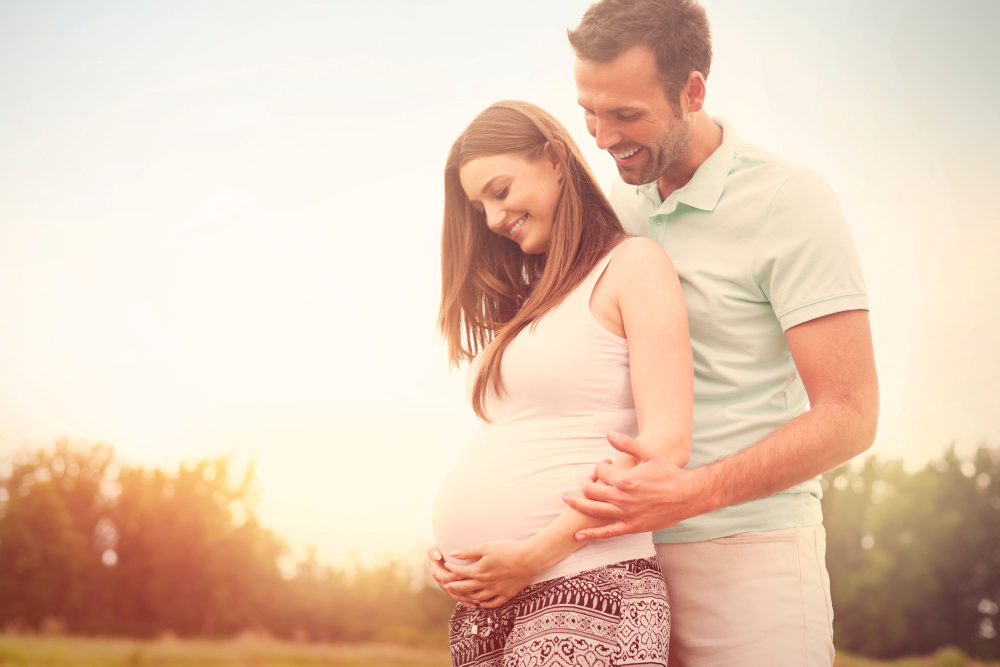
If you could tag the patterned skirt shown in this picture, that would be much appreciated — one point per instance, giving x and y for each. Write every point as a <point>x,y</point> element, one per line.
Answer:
<point>612,616</point>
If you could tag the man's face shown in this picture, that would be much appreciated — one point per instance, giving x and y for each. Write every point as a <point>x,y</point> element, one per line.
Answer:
<point>628,113</point>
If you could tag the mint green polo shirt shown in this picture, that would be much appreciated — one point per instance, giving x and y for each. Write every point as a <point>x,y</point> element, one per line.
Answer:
<point>760,245</point>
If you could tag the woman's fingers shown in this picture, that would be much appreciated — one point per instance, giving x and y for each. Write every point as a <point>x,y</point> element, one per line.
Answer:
<point>460,571</point>
<point>466,587</point>
<point>468,553</point>
<point>441,575</point>
<point>495,602</point>
<point>439,572</point>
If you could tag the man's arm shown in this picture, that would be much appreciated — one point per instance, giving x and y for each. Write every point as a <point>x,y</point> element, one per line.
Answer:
<point>835,359</point>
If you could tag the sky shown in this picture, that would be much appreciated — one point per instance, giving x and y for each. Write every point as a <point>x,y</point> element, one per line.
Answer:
<point>220,223</point>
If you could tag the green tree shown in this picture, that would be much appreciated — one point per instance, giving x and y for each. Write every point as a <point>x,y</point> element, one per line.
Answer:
<point>381,602</point>
<point>113,549</point>
<point>191,556</point>
<point>914,559</point>
<point>50,565</point>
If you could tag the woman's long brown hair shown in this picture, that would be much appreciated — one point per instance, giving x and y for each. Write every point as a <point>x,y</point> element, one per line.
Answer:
<point>485,278</point>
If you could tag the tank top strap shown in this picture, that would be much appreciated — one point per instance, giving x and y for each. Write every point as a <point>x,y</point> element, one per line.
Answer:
<point>588,284</point>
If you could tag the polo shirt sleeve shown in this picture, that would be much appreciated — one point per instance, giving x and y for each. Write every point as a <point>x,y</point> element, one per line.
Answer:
<point>805,261</point>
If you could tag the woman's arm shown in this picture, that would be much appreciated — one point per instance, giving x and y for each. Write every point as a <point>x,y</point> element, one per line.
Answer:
<point>654,320</point>
<point>639,298</point>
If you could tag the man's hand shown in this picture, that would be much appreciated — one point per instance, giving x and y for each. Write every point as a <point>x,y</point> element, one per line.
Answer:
<point>654,494</point>
<point>501,569</point>
<point>442,577</point>
<point>833,355</point>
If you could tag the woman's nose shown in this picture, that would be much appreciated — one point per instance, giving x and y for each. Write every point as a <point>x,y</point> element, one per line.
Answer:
<point>494,217</point>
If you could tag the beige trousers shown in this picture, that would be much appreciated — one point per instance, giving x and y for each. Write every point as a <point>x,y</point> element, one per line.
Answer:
<point>752,600</point>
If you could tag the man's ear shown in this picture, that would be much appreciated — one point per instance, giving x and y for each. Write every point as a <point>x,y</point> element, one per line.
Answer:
<point>693,93</point>
<point>555,152</point>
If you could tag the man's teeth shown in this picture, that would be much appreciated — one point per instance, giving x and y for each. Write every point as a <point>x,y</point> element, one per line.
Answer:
<point>518,224</point>
<point>622,156</point>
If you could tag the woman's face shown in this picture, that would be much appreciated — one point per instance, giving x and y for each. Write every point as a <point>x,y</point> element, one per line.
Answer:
<point>518,196</point>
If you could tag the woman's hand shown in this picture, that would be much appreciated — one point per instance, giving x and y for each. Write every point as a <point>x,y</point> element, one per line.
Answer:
<point>501,569</point>
<point>442,577</point>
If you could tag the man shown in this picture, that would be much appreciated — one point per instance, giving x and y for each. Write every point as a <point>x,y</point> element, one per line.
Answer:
<point>785,385</point>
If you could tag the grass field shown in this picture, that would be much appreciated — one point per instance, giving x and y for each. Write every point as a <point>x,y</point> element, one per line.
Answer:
<point>24,651</point>
<point>21,651</point>
<point>943,658</point>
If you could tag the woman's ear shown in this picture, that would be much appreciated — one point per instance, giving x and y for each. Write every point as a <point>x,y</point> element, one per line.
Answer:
<point>555,152</point>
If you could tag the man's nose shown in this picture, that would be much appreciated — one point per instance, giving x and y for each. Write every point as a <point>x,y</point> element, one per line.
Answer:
<point>606,134</point>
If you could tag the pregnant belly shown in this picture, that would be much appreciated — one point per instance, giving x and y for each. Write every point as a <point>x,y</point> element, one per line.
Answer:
<point>483,500</point>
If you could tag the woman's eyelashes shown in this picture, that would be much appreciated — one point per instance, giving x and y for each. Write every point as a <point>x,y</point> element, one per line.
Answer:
<point>499,195</point>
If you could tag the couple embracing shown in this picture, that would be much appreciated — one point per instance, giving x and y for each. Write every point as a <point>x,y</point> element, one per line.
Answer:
<point>661,377</point>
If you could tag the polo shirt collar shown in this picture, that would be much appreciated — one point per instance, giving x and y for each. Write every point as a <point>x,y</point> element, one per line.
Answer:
<point>705,188</point>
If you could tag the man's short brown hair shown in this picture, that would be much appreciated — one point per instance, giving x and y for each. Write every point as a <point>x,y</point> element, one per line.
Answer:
<point>675,31</point>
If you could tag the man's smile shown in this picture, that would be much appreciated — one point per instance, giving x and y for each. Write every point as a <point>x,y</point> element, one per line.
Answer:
<point>623,156</point>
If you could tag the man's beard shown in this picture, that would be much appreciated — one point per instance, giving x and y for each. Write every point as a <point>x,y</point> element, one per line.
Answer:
<point>669,149</point>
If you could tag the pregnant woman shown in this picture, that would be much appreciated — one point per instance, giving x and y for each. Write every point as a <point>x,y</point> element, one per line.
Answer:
<point>572,329</point>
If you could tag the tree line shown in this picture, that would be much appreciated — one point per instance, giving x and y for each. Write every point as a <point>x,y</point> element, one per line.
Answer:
<point>98,547</point>
<point>914,558</point>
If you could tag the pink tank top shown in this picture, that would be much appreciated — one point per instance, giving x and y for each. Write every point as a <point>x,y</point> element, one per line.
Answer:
<point>567,382</point>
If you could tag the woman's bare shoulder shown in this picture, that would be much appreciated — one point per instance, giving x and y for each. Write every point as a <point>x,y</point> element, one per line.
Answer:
<point>640,257</point>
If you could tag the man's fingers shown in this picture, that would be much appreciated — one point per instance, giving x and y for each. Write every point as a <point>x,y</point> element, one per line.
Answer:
<point>592,507</point>
<point>604,532</point>
<point>629,445</point>
<point>600,491</point>
<point>606,464</point>
<point>608,475</point>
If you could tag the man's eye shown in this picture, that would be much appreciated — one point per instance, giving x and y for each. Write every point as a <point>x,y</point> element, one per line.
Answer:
<point>626,116</point>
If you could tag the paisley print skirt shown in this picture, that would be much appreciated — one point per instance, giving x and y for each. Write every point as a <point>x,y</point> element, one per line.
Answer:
<point>612,616</point>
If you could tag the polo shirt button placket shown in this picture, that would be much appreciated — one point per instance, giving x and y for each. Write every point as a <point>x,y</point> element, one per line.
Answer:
<point>657,235</point>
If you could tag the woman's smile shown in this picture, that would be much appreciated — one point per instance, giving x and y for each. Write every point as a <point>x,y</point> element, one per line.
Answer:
<point>517,226</point>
